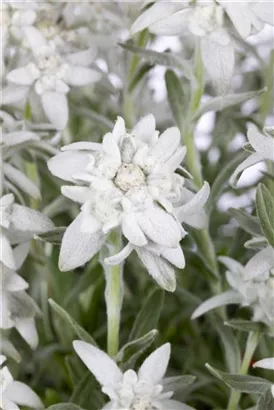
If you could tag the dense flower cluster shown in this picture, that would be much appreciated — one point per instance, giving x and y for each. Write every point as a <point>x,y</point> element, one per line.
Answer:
<point>130,181</point>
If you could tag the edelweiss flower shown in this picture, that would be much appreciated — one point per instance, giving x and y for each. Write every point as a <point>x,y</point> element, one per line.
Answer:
<point>266,364</point>
<point>14,393</point>
<point>207,21</point>
<point>131,390</point>
<point>263,145</point>
<point>52,75</point>
<point>17,308</point>
<point>256,293</point>
<point>18,224</point>
<point>130,182</point>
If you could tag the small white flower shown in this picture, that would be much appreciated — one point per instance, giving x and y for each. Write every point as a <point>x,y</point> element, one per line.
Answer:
<point>129,180</point>
<point>18,224</point>
<point>207,21</point>
<point>14,393</point>
<point>132,390</point>
<point>256,293</point>
<point>262,144</point>
<point>51,75</point>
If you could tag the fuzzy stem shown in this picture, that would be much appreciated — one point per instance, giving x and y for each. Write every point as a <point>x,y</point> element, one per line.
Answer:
<point>251,345</point>
<point>114,298</point>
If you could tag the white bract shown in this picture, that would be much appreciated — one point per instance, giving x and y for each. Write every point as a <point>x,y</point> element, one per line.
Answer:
<point>18,224</point>
<point>266,364</point>
<point>51,75</point>
<point>129,181</point>
<point>256,293</point>
<point>14,393</point>
<point>207,20</point>
<point>142,390</point>
<point>263,146</point>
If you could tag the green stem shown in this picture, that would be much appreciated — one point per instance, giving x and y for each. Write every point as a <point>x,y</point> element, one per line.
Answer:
<point>114,298</point>
<point>251,345</point>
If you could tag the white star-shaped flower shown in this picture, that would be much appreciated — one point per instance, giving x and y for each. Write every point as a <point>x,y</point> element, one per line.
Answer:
<point>52,74</point>
<point>132,390</point>
<point>129,181</point>
<point>266,364</point>
<point>206,20</point>
<point>14,393</point>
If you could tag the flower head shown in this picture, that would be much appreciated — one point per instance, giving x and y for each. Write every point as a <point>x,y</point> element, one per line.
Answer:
<point>208,21</point>
<point>128,181</point>
<point>15,393</point>
<point>51,74</point>
<point>132,390</point>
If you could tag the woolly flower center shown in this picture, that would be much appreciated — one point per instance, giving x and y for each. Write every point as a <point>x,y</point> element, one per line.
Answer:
<point>48,61</point>
<point>142,404</point>
<point>207,18</point>
<point>129,176</point>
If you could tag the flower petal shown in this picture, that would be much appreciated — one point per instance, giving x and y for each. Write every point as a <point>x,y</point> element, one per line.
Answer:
<point>30,220</point>
<point>265,363</point>
<point>219,62</point>
<point>82,146</point>
<point>176,24</point>
<point>249,162</point>
<point>78,247</point>
<point>132,230</point>
<point>194,207</point>
<point>77,193</point>
<point>232,265</point>
<point>19,137</point>
<point>67,164</point>
<point>145,128</point>
<point>261,143</point>
<point>55,106</point>
<point>19,179</point>
<point>14,93</point>
<point>161,271</point>
<point>110,147</point>
<point>175,256</point>
<point>119,257</point>
<point>99,363</point>
<point>6,254</point>
<point>167,144</point>
<point>119,129</point>
<point>260,264</point>
<point>229,297</point>
<point>80,76</point>
<point>159,11</point>
<point>27,329</point>
<point>82,58</point>
<point>175,160</point>
<point>175,405</point>
<point>23,75</point>
<point>21,394</point>
<point>154,367</point>
<point>160,227</point>
<point>35,39</point>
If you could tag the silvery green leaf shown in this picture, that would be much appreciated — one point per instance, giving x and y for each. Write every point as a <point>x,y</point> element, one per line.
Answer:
<point>87,393</point>
<point>176,97</point>
<point>177,383</point>
<point>131,351</point>
<point>247,222</point>
<point>265,211</point>
<point>256,243</point>
<point>247,326</point>
<point>231,347</point>
<point>139,75</point>
<point>148,317</point>
<point>53,236</point>
<point>94,116</point>
<point>221,102</point>
<point>69,322</point>
<point>266,401</point>
<point>226,298</point>
<point>166,59</point>
<point>243,383</point>
<point>222,179</point>
<point>64,406</point>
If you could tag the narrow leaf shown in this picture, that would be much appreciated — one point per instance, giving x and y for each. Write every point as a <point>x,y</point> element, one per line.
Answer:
<point>245,384</point>
<point>53,236</point>
<point>265,211</point>
<point>231,347</point>
<point>149,315</point>
<point>266,401</point>
<point>247,326</point>
<point>247,222</point>
<point>176,96</point>
<point>71,323</point>
<point>64,406</point>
